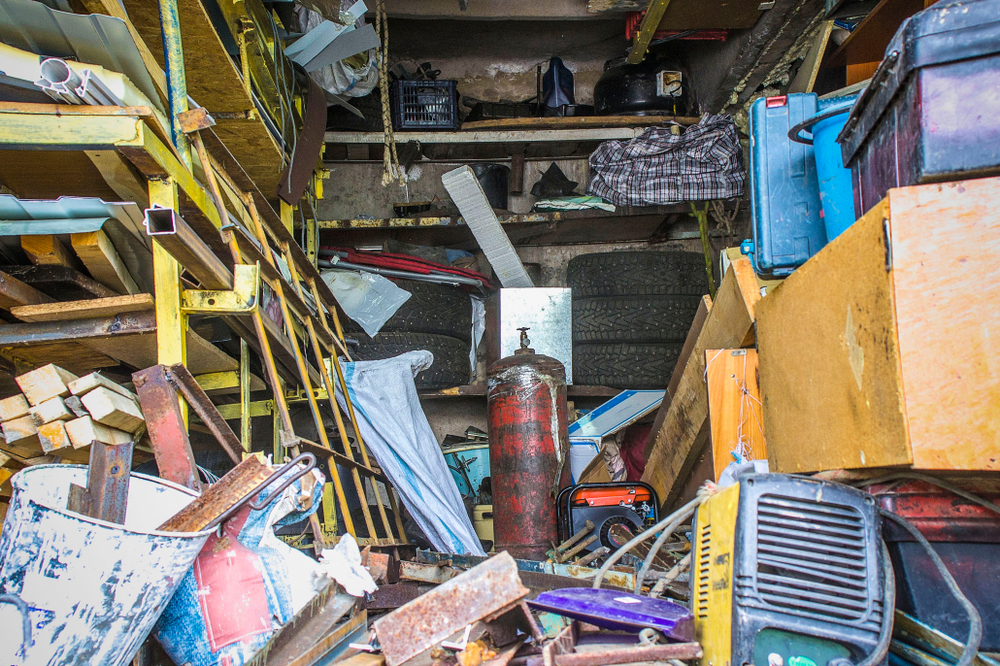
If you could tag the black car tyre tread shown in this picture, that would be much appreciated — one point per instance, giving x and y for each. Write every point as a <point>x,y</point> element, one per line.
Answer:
<point>625,366</point>
<point>440,309</point>
<point>451,356</point>
<point>637,273</point>
<point>633,318</point>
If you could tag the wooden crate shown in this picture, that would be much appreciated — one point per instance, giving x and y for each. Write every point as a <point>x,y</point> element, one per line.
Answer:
<point>884,348</point>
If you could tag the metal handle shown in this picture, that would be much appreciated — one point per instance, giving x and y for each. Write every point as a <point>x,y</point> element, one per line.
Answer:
<point>25,619</point>
<point>794,133</point>
<point>307,458</point>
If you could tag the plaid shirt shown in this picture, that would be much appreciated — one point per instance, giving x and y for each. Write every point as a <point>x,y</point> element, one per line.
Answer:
<point>658,167</point>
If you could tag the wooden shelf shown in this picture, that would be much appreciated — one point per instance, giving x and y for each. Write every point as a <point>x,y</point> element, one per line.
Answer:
<point>864,48</point>
<point>479,390</point>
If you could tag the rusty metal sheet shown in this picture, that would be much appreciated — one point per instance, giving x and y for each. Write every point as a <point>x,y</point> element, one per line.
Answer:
<point>391,597</point>
<point>166,427</point>
<point>448,608</point>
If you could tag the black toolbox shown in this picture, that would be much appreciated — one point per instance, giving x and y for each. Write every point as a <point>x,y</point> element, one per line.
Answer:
<point>932,110</point>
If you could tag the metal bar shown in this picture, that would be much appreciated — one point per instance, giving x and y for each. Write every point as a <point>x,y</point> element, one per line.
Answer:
<point>173,56</point>
<point>166,426</point>
<point>650,22</point>
<point>630,655</point>
<point>448,608</point>
<point>35,333</point>
<point>175,235</point>
<point>245,394</point>
<point>107,481</point>
<point>182,380</point>
<point>171,322</point>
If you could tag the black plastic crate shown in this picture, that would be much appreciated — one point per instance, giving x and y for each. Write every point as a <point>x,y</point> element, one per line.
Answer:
<point>425,105</point>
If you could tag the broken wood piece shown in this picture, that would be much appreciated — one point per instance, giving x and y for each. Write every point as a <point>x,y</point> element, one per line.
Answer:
<point>471,596</point>
<point>87,383</point>
<point>588,527</point>
<point>48,250</point>
<point>53,409</point>
<point>13,407</point>
<point>85,309</point>
<point>572,552</point>
<point>729,324</point>
<point>103,262</point>
<point>74,405</point>
<point>219,497</point>
<point>113,409</point>
<point>84,430</point>
<point>48,381</point>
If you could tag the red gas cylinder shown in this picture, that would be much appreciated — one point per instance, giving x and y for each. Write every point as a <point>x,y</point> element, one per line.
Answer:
<point>529,446</point>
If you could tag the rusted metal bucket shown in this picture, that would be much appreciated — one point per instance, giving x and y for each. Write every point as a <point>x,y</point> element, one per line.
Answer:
<point>93,589</point>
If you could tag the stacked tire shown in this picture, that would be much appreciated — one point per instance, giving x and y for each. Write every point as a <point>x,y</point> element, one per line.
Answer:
<point>436,317</point>
<point>631,314</point>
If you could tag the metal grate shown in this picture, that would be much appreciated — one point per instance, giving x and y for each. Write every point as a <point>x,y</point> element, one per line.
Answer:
<point>811,559</point>
<point>704,559</point>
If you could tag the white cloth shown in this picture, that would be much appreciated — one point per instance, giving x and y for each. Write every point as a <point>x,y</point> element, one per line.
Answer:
<point>343,564</point>
<point>396,431</point>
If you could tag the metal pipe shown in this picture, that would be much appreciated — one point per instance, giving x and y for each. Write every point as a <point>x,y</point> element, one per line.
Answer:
<point>59,81</point>
<point>406,275</point>
<point>173,56</point>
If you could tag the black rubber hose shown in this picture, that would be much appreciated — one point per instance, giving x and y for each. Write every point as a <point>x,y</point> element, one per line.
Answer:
<point>888,611</point>
<point>975,621</point>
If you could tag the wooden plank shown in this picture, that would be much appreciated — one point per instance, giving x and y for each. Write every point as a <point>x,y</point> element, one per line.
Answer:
<point>60,281</point>
<point>139,351</point>
<point>948,327</point>
<point>14,292</point>
<point>53,409</point>
<point>55,442</point>
<point>830,374</point>
<point>113,409</point>
<point>730,323</point>
<point>576,122</point>
<point>219,497</point>
<point>44,383</point>
<point>805,78</point>
<point>88,383</point>
<point>84,430</point>
<point>86,309</point>
<point>21,436</point>
<point>867,42</point>
<point>48,250</point>
<point>73,356</point>
<point>734,407</point>
<point>101,258</point>
<point>91,331</point>
<point>13,407</point>
<point>689,342</point>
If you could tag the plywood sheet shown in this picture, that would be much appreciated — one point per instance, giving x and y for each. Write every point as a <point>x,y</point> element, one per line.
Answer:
<point>829,363</point>
<point>734,407</point>
<point>945,244</point>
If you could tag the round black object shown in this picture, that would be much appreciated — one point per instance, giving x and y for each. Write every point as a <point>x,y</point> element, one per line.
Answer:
<point>655,86</point>
<point>626,365</point>
<point>495,179</point>
<point>637,273</point>
<point>451,356</point>
<point>633,318</point>
<point>440,309</point>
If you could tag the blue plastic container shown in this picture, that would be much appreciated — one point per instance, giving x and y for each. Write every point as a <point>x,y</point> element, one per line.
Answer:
<point>784,189</point>
<point>836,193</point>
<point>469,465</point>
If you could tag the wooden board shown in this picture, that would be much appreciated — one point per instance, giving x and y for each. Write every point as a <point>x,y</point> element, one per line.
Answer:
<point>43,383</point>
<point>85,309</point>
<point>85,430</point>
<point>734,407</point>
<point>730,323</point>
<point>53,409</point>
<point>14,292</point>
<point>139,351</point>
<point>13,407</point>
<point>576,122</point>
<point>945,239</point>
<point>113,409</point>
<point>94,380</point>
<point>101,258</point>
<point>21,436</point>
<point>864,48</point>
<point>689,343</point>
<point>829,362</point>
<point>60,282</point>
<point>46,249</point>
<point>805,78</point>
<point>75,357</point>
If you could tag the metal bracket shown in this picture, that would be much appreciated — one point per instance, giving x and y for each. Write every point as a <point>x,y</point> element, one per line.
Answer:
<point>243,299</point>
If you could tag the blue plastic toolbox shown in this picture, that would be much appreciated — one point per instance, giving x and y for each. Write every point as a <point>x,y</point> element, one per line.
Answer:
<point>784,190</point>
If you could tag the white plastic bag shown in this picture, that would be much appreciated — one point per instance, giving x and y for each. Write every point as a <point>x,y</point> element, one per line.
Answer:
<point>394,427</point>
<point>367,298</point>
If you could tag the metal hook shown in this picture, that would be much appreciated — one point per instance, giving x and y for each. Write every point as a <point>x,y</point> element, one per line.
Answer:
<point>307,458</point>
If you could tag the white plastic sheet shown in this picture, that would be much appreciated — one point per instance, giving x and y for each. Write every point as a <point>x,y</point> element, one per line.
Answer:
<point>396,431</point>
<point>367,298</point>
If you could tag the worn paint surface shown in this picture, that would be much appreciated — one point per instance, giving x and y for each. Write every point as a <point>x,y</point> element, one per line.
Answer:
<point>526,406</point>
<point>94,589</point>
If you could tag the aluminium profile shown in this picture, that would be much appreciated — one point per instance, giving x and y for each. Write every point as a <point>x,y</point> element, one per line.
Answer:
<point>93,91</point>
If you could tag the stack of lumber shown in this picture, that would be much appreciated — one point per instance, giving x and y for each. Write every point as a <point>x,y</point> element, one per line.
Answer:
<point>60,414</point>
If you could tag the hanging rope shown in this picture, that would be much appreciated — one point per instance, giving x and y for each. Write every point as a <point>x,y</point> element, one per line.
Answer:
<point>390,159</point>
